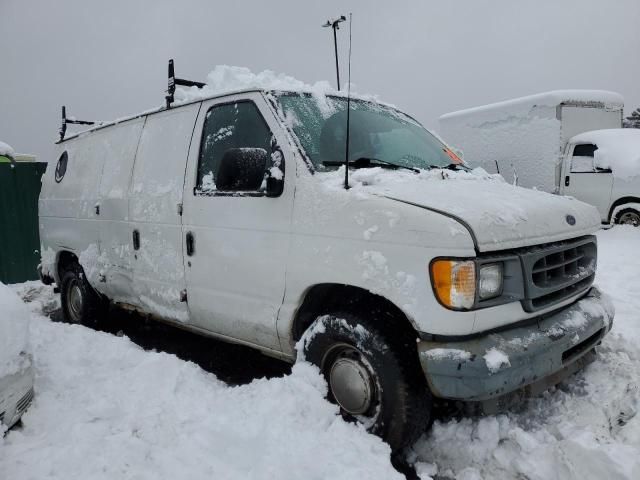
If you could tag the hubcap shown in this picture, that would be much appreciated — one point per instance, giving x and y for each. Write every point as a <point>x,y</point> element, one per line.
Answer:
<point>75,301</point>
<point>351,382</point>
<point>630,218</point>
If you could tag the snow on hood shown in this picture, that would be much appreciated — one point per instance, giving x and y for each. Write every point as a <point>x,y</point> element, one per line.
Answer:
<point>14,331</point>
<point>6,150</point>
<point>618,149</point>
<point>501,216</point>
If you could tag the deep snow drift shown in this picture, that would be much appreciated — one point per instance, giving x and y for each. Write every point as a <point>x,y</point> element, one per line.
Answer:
<point>106,409</point>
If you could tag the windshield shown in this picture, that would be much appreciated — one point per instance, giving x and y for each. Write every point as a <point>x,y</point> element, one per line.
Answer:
<point>378,133</point>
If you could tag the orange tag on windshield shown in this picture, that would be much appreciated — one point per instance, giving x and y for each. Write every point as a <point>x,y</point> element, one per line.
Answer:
<point>455,158</point>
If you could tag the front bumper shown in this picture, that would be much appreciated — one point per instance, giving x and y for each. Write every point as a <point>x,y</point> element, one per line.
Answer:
<point>532,357</point>
<point>16,393</point>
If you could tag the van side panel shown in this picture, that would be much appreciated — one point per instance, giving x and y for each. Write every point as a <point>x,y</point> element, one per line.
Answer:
<point>154,197</point>
<point>70,197</point>
<point>115,232</point>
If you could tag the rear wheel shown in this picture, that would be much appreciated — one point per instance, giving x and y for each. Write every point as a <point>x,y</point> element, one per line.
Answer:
<point>80,302</point>
<point>370,377</point>
<point>628,216</point>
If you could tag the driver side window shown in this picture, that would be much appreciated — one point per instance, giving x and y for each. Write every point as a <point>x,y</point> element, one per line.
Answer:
<point>582,160</point>
<point>235,137</point>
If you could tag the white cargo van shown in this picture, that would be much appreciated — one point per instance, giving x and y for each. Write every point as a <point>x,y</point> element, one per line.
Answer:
<point>229,216</point>
<point>533,142</point>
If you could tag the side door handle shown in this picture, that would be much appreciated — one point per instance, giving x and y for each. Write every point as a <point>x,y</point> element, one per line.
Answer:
<point>191,244</point>
<point>136,240</point>
<point>567,180</point>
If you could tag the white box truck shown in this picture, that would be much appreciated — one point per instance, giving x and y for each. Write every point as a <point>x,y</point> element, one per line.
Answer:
<point>228,216</point>
<point>534,142</point>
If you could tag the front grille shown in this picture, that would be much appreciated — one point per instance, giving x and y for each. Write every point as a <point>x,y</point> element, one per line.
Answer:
<point>558,271</point>
<point>24,402</point>
<point>576,350</point>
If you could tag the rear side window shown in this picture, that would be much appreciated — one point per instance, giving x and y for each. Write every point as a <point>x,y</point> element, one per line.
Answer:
<point>227,129</point>
<point>582,159</point>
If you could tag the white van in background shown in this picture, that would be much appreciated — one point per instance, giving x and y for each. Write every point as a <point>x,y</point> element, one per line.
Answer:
<point>568,142</point>
<point>228,216</point>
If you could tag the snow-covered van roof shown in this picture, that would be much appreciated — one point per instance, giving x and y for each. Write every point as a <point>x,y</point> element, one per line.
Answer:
<point>226,80</point>
<point>618,149</point>
<point>594,98</point>
<point>103,124</point>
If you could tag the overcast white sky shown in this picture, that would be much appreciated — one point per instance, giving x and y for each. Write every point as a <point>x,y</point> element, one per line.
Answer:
<point>107,58</point>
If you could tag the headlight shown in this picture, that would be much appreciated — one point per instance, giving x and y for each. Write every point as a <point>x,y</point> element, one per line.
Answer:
<point>490,281</point>
<point>454,282</point>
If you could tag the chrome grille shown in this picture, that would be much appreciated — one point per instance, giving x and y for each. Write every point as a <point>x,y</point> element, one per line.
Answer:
<point>24,402</point>
<point>558,271</point>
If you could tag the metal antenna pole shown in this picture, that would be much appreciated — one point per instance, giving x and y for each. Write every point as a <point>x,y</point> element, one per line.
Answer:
<point>346,156</point>
<point>335,25</point>
<point>335,47</point>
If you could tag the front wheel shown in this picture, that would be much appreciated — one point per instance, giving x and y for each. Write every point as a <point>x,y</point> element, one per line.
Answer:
<point>370,377</point>
<point>628,216</point>
<point>80,302</point>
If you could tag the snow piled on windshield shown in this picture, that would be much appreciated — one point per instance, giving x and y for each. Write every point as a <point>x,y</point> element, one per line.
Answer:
<point>14,329</point>
<point>382,177</point>
<point>618,149</point>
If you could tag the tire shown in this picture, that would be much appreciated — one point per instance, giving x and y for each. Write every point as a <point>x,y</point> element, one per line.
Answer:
<point>628,216</point>
<point>80,302</point>
<point>373,379</point>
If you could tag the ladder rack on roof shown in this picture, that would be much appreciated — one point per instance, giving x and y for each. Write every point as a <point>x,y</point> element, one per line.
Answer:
<point>66,121</point>
<point>173,81</point>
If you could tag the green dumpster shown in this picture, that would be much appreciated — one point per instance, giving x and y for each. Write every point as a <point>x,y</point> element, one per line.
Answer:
<point>19,238</point>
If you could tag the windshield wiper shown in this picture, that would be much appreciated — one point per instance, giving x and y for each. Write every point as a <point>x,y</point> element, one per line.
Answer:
<point>365,162</point>
<point>451,166</point>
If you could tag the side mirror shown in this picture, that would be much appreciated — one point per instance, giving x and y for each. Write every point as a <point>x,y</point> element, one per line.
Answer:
<point>242,169</point>
<point>275,174</point>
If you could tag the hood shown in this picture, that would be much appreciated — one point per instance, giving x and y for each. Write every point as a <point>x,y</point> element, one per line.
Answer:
<point>498,216</point>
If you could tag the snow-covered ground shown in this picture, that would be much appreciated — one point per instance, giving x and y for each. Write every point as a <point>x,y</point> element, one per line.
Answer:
<point>106,409</point>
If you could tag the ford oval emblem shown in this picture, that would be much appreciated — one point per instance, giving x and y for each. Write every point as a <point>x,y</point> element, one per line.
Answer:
<point>571,220</point>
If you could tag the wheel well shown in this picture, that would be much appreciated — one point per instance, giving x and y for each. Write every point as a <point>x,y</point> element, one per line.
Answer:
<point>621,201</point>
<point>335,298</point>
<point>65,259</point>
